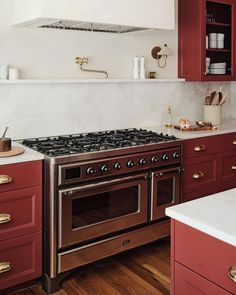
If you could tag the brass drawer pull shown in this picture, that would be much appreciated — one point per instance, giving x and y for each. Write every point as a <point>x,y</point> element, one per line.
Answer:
<point>234,167</point>
<point>234,142</point>
<point>200,148</point>
<point>4,218</point>
<point>232,273</point>
<point>5,266</point>
<point>198,175</point>
<point>5,179</point>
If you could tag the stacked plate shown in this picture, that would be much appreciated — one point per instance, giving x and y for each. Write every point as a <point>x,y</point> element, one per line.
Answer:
<point>218,68</point>
<point>3,71</point>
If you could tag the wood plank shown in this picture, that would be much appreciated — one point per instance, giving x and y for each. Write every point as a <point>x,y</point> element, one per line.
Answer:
<point>143,271</point>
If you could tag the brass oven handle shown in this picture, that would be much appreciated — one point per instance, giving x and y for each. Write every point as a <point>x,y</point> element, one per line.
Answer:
<point>200,148</point>
<point>232,273</point>
<point>5,266</point>
<point>198,175</point>
<point>234,167</point>
<point>234,142</point>
<point>5,179</point>
<point>4,218</point>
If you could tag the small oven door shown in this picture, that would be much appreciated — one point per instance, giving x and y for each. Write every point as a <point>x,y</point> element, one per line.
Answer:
<point>165,191</point>
<point>93,210</point>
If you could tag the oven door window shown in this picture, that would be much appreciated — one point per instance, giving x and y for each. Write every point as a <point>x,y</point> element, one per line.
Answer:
<point>93,210</point>
<point>165,191</point>
<point>104,206</point>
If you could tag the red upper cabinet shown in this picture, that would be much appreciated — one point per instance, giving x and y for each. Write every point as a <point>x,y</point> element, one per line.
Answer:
<point>199,59</point>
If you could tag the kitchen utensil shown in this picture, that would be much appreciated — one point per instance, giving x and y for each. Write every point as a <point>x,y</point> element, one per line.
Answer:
<point>203,124</point>
<point>5,143</point>
<point>208,100</point>
<point>214,98</point>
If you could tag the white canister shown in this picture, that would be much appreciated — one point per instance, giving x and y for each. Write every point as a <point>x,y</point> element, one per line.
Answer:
<point>142,68</point>
<point>136,69</point>
<point>13,74</point>
<point>3,72</point>
<point>213,43</point>
<point>212,113</point>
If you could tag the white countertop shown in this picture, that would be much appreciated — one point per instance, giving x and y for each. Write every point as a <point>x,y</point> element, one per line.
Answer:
<point>228,126</point>
<point>28,155</point>
<point>214,215</point>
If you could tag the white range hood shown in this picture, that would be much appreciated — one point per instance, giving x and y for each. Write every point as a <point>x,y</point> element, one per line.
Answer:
<point>95,15</point>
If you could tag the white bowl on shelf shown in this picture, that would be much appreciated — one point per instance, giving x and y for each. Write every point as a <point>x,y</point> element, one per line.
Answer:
<point>218,65</point>
<point>217,71</point>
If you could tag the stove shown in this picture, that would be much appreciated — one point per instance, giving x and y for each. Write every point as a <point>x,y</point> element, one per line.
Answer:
<point>105,192</point>
<point>95,141</point>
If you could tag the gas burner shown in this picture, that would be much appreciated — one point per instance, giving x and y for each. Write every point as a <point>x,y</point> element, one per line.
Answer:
<point>95,141</point>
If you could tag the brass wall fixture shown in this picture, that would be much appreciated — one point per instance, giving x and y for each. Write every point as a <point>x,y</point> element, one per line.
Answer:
<point>84,60</point>
<point>161,53</point>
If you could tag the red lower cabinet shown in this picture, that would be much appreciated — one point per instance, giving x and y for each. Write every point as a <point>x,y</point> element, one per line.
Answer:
<point>20,260</point>
<point>20,223</point>
<point>200,263</point>
<point>189,283</point>
<point>209,165</point>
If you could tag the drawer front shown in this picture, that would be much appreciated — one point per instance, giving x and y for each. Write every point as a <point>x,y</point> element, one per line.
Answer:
<point>201,173</point>
<point>229,142</point>
<point>189,196</point>
<point>22,175</point>
<point>207,256</point>
<point>228,167</point>
<point>20,260</point>
<point>188,282</point>
<point>87,254</point>
<point>20,212</point>
<point>209,145</point>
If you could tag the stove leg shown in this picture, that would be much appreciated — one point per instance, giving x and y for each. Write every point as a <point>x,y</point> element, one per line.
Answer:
<point>51,285</point>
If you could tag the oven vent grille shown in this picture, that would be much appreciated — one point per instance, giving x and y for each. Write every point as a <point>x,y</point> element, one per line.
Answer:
<point>91,27</point>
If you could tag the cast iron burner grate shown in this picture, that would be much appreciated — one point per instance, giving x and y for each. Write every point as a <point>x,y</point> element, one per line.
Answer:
<point>95,141</point>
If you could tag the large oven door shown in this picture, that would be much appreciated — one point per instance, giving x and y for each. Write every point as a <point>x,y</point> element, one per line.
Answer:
<point>92,210</point>
<point>165,191</point>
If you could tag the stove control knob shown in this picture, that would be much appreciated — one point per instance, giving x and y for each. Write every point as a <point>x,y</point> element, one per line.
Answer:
<point>90,171</point>
<point>165,157</point>
<point>117,166</point>
<point>104,168</point>
<point>142,162</point>
<point>176,155</point>
<point>130,164</point>
<point>154,159</point>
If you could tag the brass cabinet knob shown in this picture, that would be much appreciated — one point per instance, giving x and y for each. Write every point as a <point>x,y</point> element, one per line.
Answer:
<point>5,266</point>
<point>234,142</point>
<point>4,179</point>
<point>198,175</point>
<point>233,167</point>
<point>200,148</point>
<point>4,218</point>
<point>232,273</point>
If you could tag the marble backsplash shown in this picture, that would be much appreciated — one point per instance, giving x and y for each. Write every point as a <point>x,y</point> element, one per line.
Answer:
<point>32,110</point>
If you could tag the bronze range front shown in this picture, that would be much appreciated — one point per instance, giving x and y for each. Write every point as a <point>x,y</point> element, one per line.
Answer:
<point>101,203</point>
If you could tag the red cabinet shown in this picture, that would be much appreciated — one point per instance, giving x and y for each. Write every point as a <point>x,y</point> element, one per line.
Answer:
<point>200,263</point>
<point>197,20</point>
<point>209,165</point>
<point>188,282</point>
<point>20,223</point>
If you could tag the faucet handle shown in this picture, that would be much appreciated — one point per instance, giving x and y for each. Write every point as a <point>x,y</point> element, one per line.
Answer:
<point>81,60</point>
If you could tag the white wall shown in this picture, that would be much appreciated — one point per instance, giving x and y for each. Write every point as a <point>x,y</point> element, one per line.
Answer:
<point>50,109</point>
<point>43,53</point>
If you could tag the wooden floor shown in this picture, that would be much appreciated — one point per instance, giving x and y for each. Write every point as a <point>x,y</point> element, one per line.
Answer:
<point>145,271</point>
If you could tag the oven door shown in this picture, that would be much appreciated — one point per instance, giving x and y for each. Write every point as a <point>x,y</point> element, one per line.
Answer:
<point>165,191</point>
<point>97,209</point>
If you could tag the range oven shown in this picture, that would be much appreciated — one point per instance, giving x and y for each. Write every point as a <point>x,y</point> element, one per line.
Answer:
<point>97,209</point>
<point>100,203</point>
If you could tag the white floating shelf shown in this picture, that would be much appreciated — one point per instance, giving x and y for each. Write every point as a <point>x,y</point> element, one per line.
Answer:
<point>67,81</point>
